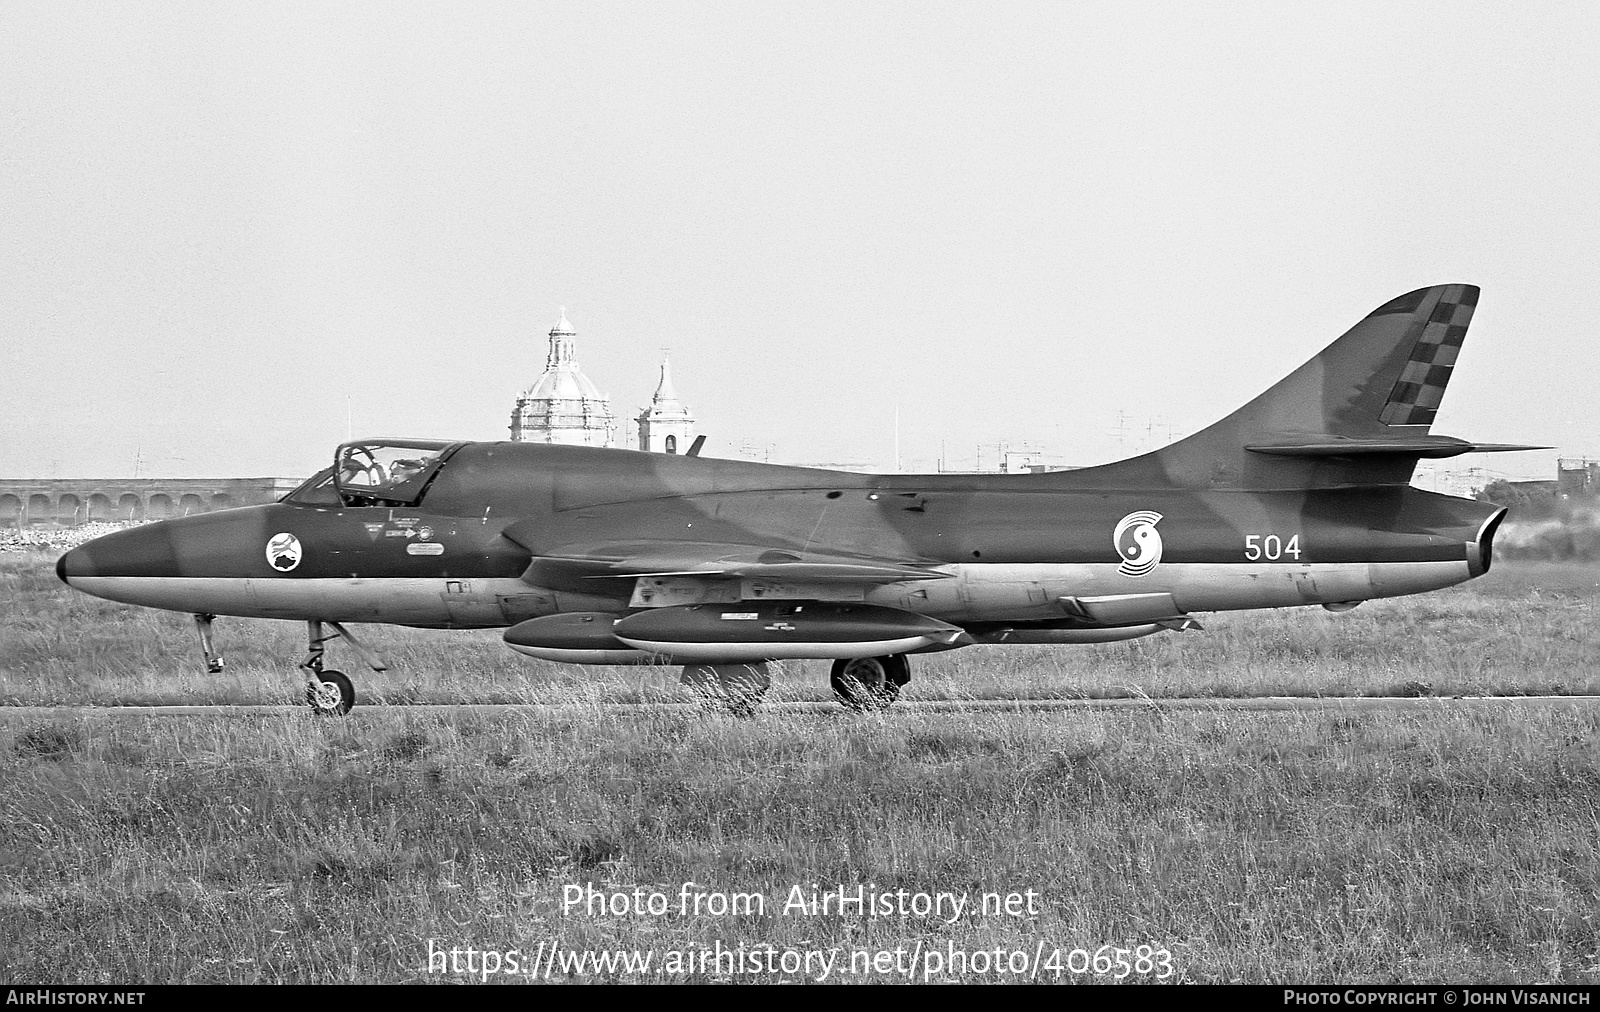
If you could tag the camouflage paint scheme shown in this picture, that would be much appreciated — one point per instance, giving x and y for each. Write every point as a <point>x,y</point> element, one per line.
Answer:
<point>1300,497</point>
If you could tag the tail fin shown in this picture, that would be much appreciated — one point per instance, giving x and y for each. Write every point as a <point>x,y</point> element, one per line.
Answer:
<point>1436,322</point>
<point>1358,413</point>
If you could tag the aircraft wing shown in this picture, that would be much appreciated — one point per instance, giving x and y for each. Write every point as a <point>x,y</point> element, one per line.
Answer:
<point>629,560</point>
<point>728,535</point>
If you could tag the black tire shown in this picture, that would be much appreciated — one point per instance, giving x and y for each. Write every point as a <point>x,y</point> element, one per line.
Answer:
<point>334,684</point>
<point>899,666</point>
<point>867,683</point>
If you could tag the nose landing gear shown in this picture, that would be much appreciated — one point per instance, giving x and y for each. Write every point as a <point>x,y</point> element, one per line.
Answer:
<point>330,693</point>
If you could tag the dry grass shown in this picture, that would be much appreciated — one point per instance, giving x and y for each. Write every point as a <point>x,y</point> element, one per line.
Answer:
<point>1449,845</point>
<point>1437,844</point>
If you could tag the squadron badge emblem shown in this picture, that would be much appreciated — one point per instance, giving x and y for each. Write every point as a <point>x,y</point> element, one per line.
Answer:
<point>283,552</point>
<point>1138,543</point>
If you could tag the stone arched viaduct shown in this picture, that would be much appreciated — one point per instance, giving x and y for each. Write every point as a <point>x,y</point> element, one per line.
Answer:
<point>66,502</point>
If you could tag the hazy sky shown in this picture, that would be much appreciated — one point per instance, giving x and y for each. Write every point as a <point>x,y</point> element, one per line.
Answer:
<point>221,224</point>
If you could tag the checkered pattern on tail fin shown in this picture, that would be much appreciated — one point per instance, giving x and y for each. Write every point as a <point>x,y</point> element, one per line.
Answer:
<point>1417,393</point>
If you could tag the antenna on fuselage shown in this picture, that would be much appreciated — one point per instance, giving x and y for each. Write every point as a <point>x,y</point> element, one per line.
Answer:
<point>896,437</point>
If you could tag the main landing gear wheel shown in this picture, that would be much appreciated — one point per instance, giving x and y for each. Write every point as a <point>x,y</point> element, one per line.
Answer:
<point>331,695</point>
<point>330,692</point>
<point>869,683</point>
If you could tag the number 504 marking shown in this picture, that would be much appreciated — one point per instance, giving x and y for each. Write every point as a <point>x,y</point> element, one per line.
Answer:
<point>1270,547</point>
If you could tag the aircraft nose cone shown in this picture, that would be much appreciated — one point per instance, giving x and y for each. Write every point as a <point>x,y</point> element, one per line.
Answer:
<point>75,563</point>
<point>98,567</point>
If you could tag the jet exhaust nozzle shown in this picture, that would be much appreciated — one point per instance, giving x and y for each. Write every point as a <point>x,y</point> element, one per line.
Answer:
<point>1480,552</point>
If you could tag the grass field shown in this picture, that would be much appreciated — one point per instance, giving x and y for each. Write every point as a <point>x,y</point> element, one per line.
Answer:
<point>1435,843</point>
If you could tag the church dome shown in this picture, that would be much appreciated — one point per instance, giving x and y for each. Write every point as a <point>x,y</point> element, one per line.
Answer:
<point>563,405</point>
<point>564,383</point>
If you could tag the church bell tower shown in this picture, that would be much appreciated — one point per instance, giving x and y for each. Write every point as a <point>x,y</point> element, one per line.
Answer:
<point>666,426</point>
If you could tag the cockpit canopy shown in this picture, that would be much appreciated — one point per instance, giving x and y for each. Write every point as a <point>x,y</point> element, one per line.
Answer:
<point>385,472</point>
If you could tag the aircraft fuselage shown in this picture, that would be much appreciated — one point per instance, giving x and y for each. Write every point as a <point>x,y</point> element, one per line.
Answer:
<point>998,549</point>
<point>1301,496</point>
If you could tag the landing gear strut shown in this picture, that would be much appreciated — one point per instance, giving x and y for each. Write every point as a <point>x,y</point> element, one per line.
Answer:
<point>202,622</point>
<point>869,683</point>
<point>329,692</point>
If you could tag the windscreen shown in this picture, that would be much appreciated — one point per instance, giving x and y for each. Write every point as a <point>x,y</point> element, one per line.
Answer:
<point>316,490</point>
<point>388,473</point>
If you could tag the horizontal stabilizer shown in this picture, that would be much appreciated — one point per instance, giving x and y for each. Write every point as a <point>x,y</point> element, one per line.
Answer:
<point>1432,447</point>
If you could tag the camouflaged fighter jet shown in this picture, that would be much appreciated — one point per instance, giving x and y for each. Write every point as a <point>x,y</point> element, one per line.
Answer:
<point>595,556</point>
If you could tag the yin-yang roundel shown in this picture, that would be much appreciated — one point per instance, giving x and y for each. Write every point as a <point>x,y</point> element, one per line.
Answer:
<point>1138,543</point>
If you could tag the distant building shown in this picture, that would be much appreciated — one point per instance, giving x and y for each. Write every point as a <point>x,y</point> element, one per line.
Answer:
<point>69,501</point>
<point>667,425</point>
<point>563,406</point>
<point>1033,461</point>
<point>1580,477</point>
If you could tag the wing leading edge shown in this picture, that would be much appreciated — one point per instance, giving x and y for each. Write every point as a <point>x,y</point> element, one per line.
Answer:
<point>636,559</point>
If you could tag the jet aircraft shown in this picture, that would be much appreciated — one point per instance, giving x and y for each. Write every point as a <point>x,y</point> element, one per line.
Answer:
<point>600,556</point>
